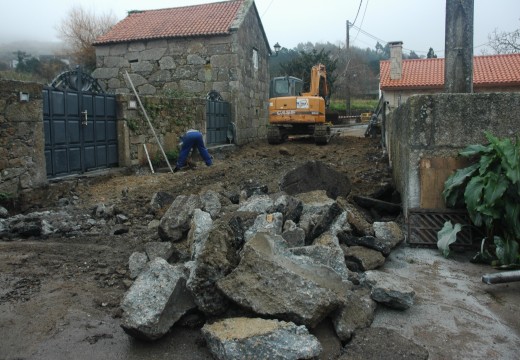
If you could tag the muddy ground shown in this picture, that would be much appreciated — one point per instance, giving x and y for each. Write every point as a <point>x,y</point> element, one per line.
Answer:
<point>59,297</point>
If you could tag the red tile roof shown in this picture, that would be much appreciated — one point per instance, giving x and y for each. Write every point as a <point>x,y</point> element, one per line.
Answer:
<point>197,20</point>
<point>488,71</point>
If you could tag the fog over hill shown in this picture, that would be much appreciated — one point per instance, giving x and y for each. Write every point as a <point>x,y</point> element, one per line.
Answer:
<point>34,48</point>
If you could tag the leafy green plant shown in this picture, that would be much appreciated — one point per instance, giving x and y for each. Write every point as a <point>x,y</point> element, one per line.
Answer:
<point>172,155</point>
<point>447,236</point>
<point>132,124</point>
<point>158,158</point>
<point>490,191</point>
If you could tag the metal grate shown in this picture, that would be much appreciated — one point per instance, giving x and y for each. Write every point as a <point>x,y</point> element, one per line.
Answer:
<point>423,225</point>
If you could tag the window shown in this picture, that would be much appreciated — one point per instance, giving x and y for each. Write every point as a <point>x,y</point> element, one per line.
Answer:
<point>255,59</point>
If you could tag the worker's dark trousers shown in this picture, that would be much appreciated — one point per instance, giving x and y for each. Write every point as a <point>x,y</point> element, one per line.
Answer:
<point>193,139</point>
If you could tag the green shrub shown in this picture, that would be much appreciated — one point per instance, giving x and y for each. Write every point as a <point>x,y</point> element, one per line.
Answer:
<point>158,159</point>
<point>490,191</point>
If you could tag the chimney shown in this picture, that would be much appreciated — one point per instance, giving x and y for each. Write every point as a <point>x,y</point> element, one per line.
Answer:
<point>396,60</point>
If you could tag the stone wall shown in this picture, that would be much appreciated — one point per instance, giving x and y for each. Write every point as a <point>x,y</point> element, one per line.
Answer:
<point>392,96</point>
<point>251,90</point>
<point>22,144</point>
<point>439,126</point>
<point>169,117</point>
<point>191,67</point>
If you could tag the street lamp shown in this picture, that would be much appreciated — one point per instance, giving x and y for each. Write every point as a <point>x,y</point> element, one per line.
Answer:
<point>277,48</point>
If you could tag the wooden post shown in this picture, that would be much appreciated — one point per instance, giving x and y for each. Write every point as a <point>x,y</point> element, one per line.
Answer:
<point>148,119</point>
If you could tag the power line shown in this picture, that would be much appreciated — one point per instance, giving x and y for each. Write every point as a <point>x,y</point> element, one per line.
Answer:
<point>362,20</point>
<point>360,2</point>
<point>385,42</point>
<point>368,34</point>
<point>268,6</point>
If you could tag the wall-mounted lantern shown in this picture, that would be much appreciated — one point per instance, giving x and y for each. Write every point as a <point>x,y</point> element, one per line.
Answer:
<point>24,97</point>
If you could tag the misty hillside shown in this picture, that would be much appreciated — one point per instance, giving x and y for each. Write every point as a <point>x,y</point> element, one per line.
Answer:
<point>34,48</point>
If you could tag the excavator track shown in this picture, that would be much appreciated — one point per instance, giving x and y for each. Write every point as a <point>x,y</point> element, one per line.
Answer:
<point>322,134</point>
<point>274,135</point>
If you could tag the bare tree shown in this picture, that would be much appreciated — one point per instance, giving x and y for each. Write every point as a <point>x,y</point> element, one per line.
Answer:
<point>505,42</point>
<point>79,29</point>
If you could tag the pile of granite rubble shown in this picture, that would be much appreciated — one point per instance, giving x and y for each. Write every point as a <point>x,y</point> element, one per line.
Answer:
<point>256,270</point>
<point>263,272</point>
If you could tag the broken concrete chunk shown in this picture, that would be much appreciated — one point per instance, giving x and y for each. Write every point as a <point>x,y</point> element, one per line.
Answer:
<point>319,212</point>
<point>161,199</point>
<point>341,224</point>
<point>4,213</point>
<point>270,223</point>
<point>161,249</point>
<point>327,255</point>
<point>136,263</point>
<point>366,241</point>
<point>389,232</point>
<point>272,281</point>
<point>155,301</point>
<point>216,257</point>
<point>257,203</point>
<point>293,234</point>
<point>365,258</point>
<point>254,338</point>
<point>289,206</point>
<point>211,203</point>
<point>201,224</point>
<point>358,313</point>
<point>388,290</point>
<point>359,224</point>
<point>176,221</point>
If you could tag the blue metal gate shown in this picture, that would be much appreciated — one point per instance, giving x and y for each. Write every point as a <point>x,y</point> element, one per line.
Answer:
<point>80,127</point>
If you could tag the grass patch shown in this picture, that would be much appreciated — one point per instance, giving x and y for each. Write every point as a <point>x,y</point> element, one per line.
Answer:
<point>356,105</point>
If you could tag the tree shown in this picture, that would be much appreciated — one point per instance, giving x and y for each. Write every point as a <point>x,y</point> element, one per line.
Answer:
<point>431,54</point>
<point>413,55</point>
<point>383,51</point>
<point>79,29</point>
<point>301,65</point>
<point>29,65</point>
<point>505,42</point>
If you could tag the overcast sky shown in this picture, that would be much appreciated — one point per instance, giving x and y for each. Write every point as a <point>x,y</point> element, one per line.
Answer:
<point>418,23</point>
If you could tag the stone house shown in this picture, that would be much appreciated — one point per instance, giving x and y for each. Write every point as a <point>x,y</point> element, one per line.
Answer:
<point>400,79</point>
<point>186,52</point>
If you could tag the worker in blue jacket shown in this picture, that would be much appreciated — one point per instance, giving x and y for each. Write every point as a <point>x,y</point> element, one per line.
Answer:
<point>190,140</point>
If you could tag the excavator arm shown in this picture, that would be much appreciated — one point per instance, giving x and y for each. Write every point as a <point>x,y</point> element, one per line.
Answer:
<point>319,85</point>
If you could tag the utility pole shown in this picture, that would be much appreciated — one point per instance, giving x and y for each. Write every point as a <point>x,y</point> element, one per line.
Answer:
<point>458,68</point>
<point>347,108</point>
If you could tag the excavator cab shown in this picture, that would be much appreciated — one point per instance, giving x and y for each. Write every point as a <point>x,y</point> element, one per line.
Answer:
<point>285,86</point>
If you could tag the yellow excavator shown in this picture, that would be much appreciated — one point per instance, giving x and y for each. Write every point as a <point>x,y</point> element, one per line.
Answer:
<point>293,112</point>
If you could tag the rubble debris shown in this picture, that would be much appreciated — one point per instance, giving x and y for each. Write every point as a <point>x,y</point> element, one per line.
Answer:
<point>386,289</point>
<point>255,338</point>
<point>156,300</point>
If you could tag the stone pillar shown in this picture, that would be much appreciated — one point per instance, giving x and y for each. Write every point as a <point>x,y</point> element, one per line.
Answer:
<point>458,67</point>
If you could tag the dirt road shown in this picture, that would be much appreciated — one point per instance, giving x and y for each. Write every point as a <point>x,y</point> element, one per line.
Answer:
<point>59,297</point>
